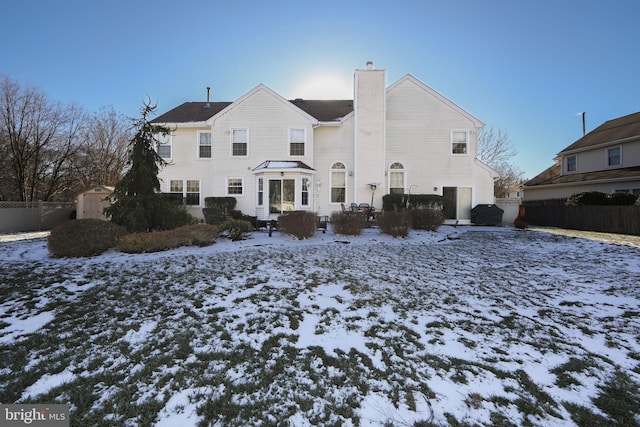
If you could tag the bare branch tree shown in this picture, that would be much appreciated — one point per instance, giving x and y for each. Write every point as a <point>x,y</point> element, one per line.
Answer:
<point>496,150</point>
<point>39,140</point>
<point>105,148</point>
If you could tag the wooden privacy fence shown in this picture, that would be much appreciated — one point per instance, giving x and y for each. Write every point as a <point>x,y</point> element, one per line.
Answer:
<point>606,219</point>
<point>33,216</point>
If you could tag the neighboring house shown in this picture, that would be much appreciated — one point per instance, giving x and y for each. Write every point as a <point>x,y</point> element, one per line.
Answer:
<point>607,159</point>
<point>276,155</point>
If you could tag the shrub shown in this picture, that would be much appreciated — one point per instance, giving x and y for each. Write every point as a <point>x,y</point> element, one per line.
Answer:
<point>83,237</point>
<point>347,223</point>
<point>622,199</point>
<point>400,202</point>
<point>146,213</point>
<point>220,204</point>
<point>396,224</point>
<point>235,229</point>
<point>189,235</point>
<point>394,202</point>
<point>425,201</point>
<point>300,224</point>
<point>426,219</point>
<point>587,198</point>
<point>599,198</point>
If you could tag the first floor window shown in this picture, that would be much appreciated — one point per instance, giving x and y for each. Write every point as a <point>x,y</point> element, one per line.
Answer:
<point>306,185</point>
<point>459,142</point>
<point>234,186</point>
<point>164,145</point>
<point>614,156</point>
<point>193,192</point>
<point>260,191</point>
<point>187,190</point>
<point>338,183</point>
<point>396,178</point>
<point>204,145</point>
<point>239,142</point>
<point>296,142</point>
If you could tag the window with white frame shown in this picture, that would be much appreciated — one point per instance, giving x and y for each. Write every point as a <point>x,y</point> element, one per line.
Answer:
<point>204,145</point>
<point>235,186</point>
<point>306,186</point>
<point>260,191</point>
<point>459,142</point>
<point>338,183</point>
<point>164,145</point>
<point>187,189</point>
<point>396,178</point>
<point>614,156</point>
<point>571,163</point>
<point>296,142</point>
<point>239,142</point>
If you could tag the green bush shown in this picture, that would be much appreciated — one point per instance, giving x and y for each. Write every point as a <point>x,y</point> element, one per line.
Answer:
<point>347,223</point>
<point>425,201</point>
<point>394,202</point>
<point>300,224</point>
<point>188,235</point>
<point>400,202</point>
<point>587,198</point>
<point>148,213</point>
<point>83,237</point>
<point>427,219</point>
<point>599,198</point>
<point>221,204</point>
<point>622,199</point>
<point>235,229</point>
<point>396,224</point>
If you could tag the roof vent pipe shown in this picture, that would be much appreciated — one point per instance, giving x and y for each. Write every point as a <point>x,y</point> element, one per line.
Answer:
<point>369,65</point>
<point>207,105</point>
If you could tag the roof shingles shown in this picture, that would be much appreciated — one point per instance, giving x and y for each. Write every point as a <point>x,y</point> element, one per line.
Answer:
<point>321,110</point>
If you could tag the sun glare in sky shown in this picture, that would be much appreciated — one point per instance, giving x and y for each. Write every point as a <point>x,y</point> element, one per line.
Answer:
<point>324,86</point>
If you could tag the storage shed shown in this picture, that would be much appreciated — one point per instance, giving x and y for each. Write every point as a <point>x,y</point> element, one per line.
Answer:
<point>91,203</point>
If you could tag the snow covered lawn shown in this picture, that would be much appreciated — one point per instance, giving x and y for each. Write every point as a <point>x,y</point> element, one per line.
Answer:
<point>466,326</point>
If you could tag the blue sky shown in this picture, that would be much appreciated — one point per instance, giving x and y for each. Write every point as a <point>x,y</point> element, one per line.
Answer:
<point>523,67</point>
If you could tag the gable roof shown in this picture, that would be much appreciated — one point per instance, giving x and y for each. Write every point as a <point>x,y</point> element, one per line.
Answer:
<point>320,110</point>
<point>408,77</point>
<point>612,131</point>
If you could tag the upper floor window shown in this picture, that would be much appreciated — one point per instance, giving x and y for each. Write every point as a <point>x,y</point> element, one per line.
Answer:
<point>614,156</point>
<point>164,145</point>
<point>338,183</point>
<point>459,142</point>
<point>296,142</point>
<point>571,163</point>
<point>396,178</point>
<point>235,186</point>
<point>204,145</point>
<point>239,142</point>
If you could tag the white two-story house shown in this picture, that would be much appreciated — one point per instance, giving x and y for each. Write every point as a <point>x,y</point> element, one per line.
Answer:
<point>276,155</point>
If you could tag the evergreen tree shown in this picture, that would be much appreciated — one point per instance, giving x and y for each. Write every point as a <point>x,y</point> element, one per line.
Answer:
<point>138,205</point>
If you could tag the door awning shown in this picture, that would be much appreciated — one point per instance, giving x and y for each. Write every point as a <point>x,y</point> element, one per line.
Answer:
<point>283,166</point>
